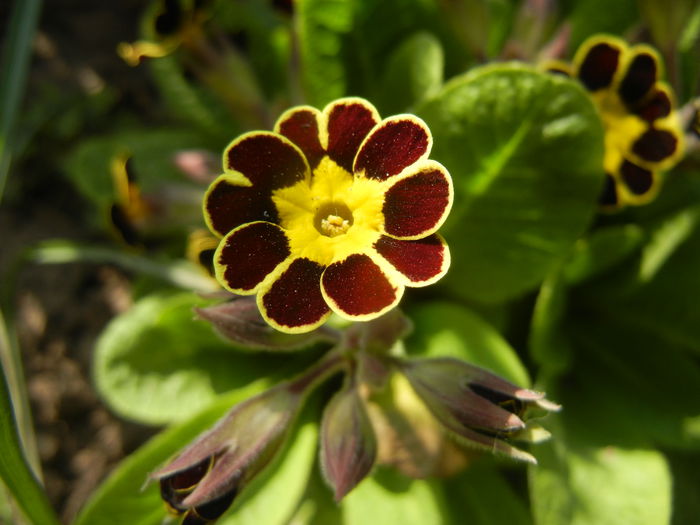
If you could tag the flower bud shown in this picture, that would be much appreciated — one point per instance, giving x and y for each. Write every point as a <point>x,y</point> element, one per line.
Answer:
<point>240,321</point>
<point>202,482</point>
<point>476,405</point>
<point>348,443</point>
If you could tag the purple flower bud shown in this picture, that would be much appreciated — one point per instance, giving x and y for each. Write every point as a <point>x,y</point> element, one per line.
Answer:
<point>476,405</point>
<point>348,443</point>
<point>240,321</point>
<point>202,482</point>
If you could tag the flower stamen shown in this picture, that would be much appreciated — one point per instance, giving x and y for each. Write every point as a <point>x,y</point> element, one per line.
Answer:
<point>333,219</point>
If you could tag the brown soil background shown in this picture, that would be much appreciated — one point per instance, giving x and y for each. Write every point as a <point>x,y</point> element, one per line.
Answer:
<point>61,309</point>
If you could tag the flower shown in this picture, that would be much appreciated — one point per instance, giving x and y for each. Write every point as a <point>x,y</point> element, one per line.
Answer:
<point>477,406</point>
<point>642,130</point>
<point>336,210</point>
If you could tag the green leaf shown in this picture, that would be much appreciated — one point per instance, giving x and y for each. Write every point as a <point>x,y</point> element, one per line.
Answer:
<point>481,495</point>
<point>16,56</point>
<point>586,19</point>
<point>601,250</point>
<point>156,364</point>
<point>322,27</point>
<point>14,469</point>
<point>628,386</point>
<point>190,102</point>
<point>600,486</point>
<point>414,72</point>
<point>525,152</point>
<point>122,498</point>
<point>548,345</point>
<point>445,329</point>
<point>658,292</point>
<point>390,498</point>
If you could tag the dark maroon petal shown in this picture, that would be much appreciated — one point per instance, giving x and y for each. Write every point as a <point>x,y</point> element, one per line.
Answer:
<point>639,78</point>
<point>248,254</point>
<point>599,65</point>
<point>658,105</point>
<point>268,160</point>
<point>300,125</point>
<point>395,143</point>
<point>655,145</point>
<point>415,205</point>
<point>638,180</point>
<point>609,196</point>
<point>349,122</point>
<point>294,301</point>
<point>227,206</point>
<point>357,287</point>
<point>421,261</point>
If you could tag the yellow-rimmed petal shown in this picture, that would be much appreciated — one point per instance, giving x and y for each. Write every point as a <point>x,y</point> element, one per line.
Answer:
<point>268,160</point>
<point>345,124</point>
<point>302,125</point>
<point>290,299</point>
<point>359,288</point>
<point>598,60</point>
<point>248,254</point>
<point>231,201</point>
<point>640,70</point>
<point>393,145</point>
<point>637,185</point>
<point>420,262</point>
<point>419,200</point>
<point>556,66</point>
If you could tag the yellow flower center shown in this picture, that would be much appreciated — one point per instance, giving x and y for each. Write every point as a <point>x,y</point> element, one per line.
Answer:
<point>622,128</point>
<point>332,215</point>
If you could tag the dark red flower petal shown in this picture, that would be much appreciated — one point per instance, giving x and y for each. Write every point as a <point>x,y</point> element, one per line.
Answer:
<point>294,301</point>
<point>356,287</point>
<point>421,261</point>
<point>348,123</point>
<point>416,205</point>
<point>248,254</point>
<point>609,197</point>
<point>396,142</point>
<point>655,145</point>
<point>657,106</point>
<point>228,205</point>
<point>598,66</point>
<point>268,160</point>
<point>300,125</point>
<point>639,78</point>
<point>637,179</point>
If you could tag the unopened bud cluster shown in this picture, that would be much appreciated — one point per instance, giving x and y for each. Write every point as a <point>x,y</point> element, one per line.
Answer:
<point>464,401</point>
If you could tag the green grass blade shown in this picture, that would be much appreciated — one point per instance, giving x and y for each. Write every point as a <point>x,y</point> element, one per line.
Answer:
<point>14,469</point>
<point>15,63</point>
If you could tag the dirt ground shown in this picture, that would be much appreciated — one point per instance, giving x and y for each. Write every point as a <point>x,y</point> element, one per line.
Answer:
<point>61,309</point>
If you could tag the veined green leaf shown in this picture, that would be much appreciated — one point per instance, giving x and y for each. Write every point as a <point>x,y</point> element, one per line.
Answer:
<point>600,486</point>
<point>156,364</point>
<point>390,498</point>
<point>525,153</point>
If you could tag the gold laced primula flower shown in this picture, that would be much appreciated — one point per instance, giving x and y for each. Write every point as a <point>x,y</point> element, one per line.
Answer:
<point>643,134</point>
<point>334,211</point>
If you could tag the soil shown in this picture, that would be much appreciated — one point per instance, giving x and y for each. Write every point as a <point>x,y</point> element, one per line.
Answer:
<point>60,310</point>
